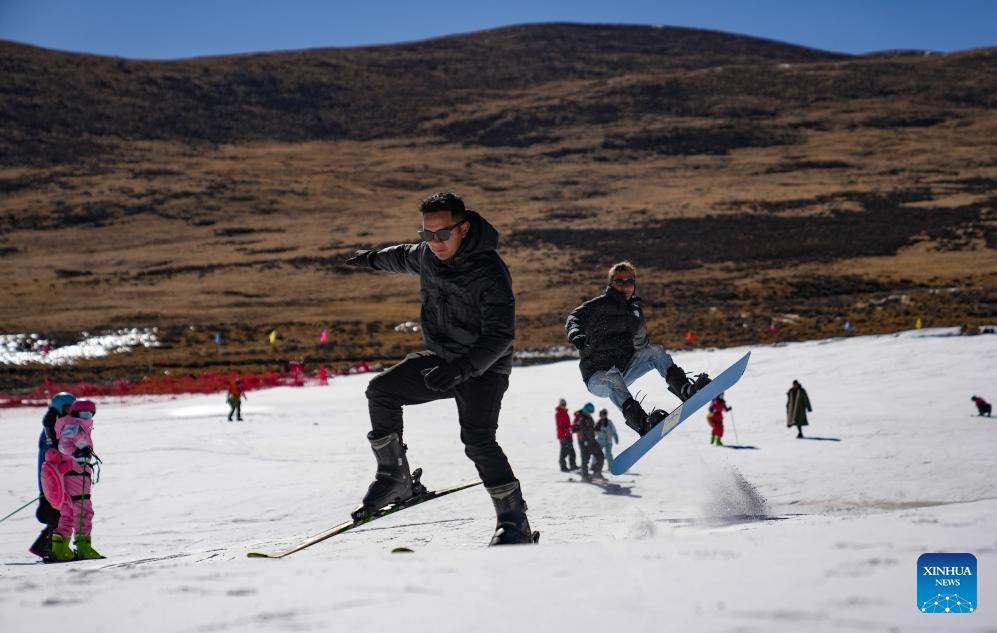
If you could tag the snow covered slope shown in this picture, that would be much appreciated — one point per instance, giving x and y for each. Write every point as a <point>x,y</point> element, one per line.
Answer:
<point>770,533</point>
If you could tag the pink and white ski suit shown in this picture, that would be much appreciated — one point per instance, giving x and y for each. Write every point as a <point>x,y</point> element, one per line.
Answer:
<point>75,442</point>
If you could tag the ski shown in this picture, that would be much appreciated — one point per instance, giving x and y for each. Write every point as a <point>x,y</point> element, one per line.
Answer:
<point>349,525</point>
<point>727,379</point>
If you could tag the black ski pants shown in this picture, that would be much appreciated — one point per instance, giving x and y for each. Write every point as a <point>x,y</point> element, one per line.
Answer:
<point>591,451</point>
<point>479,400</point>
<point>567,451</point>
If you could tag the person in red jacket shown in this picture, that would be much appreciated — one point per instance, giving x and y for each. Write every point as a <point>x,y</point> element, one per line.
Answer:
<point>716,419</point>
<point>982,406</point>
<point>563,422</point>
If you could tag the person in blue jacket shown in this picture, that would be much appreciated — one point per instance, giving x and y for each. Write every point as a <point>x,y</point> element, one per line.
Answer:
<point>45,513</point>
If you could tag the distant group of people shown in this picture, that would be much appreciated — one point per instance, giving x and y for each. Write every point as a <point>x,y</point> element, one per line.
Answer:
<point>595,440</point>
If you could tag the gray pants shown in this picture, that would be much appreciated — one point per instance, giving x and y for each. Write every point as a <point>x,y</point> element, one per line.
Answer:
<point>614,384</point>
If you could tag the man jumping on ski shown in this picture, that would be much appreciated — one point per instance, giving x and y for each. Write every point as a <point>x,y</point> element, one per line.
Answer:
<point>468,323</point>
<point>610,334</point>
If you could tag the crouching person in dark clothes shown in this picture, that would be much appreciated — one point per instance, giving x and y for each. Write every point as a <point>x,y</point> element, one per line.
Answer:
<point>468,324</point>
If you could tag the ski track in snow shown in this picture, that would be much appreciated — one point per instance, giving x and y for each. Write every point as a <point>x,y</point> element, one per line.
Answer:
<point>769,533</point>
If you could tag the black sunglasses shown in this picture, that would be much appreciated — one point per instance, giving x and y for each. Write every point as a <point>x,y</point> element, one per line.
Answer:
<point>629,281</point>
<point>443,234</point>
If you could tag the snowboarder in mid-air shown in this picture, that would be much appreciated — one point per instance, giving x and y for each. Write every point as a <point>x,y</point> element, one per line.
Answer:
<point>610,334</point>
<point>468,324</point>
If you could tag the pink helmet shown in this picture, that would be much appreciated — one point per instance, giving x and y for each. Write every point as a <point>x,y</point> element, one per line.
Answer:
<point>83,407</point>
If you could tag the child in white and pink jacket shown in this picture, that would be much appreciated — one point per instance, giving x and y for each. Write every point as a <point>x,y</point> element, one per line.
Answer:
<point>74,456</point>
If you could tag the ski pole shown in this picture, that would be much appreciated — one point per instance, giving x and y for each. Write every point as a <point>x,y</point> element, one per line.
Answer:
<point>21,508</point>
<point>733,426</point>
<point>83,496</point>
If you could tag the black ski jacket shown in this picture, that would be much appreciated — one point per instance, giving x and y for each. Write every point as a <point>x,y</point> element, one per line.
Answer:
<point>613,329</point>
<point>468,308</point>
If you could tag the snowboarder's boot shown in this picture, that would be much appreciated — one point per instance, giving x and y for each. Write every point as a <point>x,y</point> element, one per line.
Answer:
<point>393,481</point>
<point>681,386</point>
<point>42,547</point>
<point>84,548</point>
<point>634,415</point>
<point>639,421</point>
<point>60,548</point>
<point>510,510</point>
<point>719,443</point>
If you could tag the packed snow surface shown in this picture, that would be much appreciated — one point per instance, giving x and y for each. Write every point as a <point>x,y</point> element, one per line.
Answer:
<point>769,533</point>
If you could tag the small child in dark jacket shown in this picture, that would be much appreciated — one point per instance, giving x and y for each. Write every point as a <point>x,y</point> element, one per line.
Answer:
<point>584,426</point>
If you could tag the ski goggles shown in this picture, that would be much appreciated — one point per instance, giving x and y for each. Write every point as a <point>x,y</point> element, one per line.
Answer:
<point>442,235</point>
<point>627,281</point>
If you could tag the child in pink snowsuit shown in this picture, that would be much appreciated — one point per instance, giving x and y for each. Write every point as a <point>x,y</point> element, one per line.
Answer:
<point>76,448</point>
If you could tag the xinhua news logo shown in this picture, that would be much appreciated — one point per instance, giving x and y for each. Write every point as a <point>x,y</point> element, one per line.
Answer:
<point>946,583</point>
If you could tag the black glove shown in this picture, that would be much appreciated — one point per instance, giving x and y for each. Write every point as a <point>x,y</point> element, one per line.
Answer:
<point>360,259</point>
<point>444,376</point>
<point>580,342</point>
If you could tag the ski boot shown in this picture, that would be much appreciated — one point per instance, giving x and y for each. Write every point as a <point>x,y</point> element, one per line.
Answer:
<point>42,547</point>
<point>681,386</point>
<point>639,421</point>
<point>60,548</point>
<point>510,509</point>
<point>393,482</point>
<point>84,548</point>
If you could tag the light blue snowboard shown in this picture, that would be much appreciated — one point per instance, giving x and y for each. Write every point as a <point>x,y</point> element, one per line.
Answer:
<point>720,384</point>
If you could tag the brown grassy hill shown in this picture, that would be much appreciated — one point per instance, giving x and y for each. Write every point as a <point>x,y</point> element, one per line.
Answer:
<point>749,180</point>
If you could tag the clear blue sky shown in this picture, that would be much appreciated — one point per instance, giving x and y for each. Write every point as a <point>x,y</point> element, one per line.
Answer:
<point>170,29</point>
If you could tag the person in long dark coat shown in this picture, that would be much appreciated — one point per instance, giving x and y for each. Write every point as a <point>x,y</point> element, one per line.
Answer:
<point>797,405</point>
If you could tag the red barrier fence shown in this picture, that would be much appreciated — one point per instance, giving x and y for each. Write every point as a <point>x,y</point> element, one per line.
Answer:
<point>167,385</point>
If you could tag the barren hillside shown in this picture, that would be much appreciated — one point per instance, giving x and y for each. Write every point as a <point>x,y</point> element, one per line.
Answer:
<point>750,181</point>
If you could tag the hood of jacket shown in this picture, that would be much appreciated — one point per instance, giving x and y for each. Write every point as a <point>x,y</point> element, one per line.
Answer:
<point>483,237</point>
